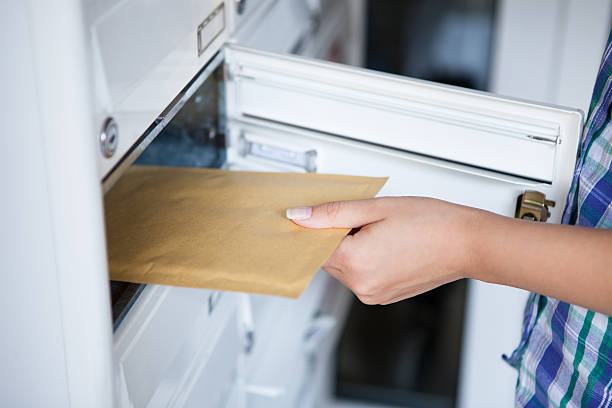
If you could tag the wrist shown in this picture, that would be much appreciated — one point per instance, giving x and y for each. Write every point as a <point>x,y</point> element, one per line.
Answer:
<point>476,232</point>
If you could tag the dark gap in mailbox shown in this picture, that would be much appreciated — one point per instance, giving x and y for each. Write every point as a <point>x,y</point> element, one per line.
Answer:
<point>195,137</point>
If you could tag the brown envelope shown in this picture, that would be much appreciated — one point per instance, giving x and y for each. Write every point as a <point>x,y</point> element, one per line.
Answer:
<point>221,229</point>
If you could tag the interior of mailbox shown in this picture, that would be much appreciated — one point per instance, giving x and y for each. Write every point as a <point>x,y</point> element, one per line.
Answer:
<point>195,137</point>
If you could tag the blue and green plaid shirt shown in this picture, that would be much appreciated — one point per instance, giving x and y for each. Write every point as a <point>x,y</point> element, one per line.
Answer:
<point>564,357</point>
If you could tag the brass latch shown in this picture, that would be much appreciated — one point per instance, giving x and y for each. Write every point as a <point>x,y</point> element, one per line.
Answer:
<point>533,205</point>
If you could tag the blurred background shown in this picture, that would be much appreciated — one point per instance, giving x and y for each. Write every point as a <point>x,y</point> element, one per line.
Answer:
<point>547,51</point>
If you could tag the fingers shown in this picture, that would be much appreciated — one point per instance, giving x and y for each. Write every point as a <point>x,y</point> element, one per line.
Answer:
<point>338,264</point>
<point>346,266</point>
<point>366,275</point>
<point>338,214</point>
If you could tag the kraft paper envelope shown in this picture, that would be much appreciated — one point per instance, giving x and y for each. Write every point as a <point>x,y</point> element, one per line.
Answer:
<point>221,229</point>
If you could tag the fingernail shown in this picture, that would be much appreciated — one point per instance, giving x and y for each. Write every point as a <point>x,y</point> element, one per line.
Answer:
<point>300,213</point>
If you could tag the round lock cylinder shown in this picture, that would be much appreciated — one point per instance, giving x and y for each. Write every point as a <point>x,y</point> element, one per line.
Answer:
<point>109,137</point>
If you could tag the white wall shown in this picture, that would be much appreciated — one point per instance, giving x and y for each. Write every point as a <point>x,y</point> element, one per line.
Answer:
<point>549,50</point>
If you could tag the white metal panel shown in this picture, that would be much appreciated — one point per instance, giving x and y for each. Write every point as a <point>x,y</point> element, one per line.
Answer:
<point>167,338</point>
<point>215,368</point>
<point>61,115</point>
<point>143,54</point>
<point>206,366</point>
<point>320,386</point>
<point>474,128</point>
<point>276,367</point>
<point>149,338</point>
<point>33,372</point>
<point>134,36</point>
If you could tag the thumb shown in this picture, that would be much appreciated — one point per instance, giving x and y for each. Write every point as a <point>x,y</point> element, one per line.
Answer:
<point>338,214</point>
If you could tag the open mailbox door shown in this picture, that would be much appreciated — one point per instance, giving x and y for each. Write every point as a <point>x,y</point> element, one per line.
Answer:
<point>469,131</point>
<point>468,147</point>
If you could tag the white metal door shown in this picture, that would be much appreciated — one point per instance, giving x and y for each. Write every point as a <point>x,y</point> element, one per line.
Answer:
<point>467,147</point>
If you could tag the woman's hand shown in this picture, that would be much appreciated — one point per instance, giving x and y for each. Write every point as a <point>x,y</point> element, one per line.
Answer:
<point>409,245</point>
<point>406,245</point>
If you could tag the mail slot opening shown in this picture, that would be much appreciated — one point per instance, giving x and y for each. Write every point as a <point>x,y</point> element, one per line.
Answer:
<point>195,137</point>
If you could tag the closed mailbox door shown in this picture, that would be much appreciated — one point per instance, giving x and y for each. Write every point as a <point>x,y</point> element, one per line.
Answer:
<point>294,114</point>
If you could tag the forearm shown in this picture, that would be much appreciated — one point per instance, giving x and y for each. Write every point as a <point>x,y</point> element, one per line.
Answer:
<point>573,264</point>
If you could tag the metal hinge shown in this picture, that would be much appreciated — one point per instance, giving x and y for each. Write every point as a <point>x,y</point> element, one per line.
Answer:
<point>533,205</point>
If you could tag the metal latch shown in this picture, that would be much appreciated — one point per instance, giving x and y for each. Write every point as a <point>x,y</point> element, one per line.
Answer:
<point>533,205</point>
<point>306,160</point>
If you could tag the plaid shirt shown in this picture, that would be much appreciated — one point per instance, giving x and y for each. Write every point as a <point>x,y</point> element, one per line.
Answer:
<point>564,357</point>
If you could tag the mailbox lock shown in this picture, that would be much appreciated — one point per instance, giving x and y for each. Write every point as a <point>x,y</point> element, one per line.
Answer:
<point>533,205</point>
<point>109,137</point>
